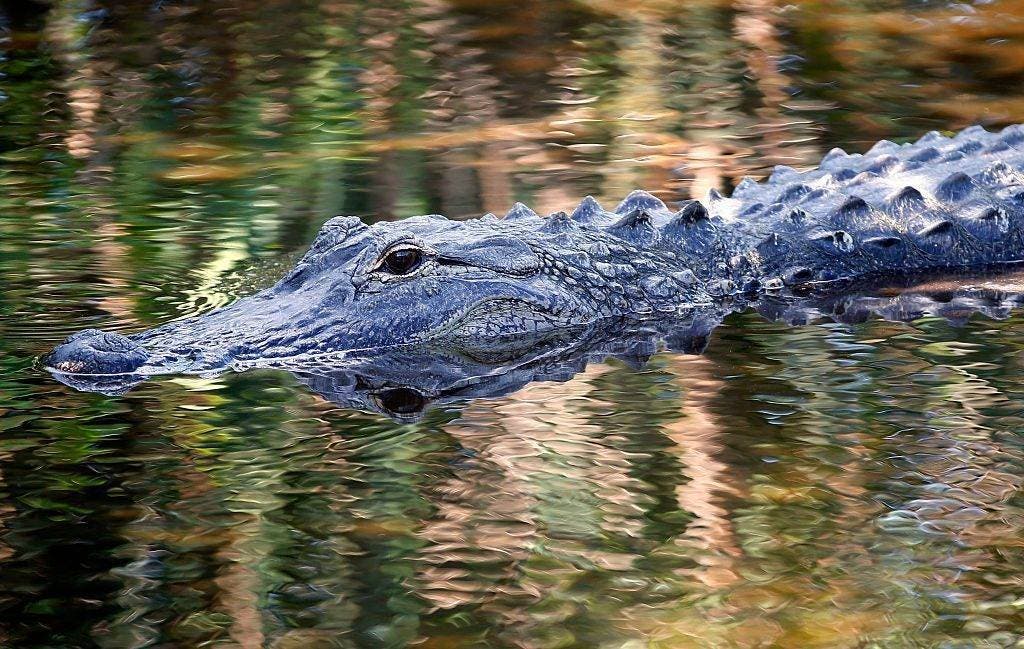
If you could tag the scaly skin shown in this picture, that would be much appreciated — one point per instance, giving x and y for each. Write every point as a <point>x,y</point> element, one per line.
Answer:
<point>489,285</point>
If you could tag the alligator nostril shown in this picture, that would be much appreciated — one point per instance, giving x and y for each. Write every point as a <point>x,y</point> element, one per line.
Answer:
<point>97,352</point>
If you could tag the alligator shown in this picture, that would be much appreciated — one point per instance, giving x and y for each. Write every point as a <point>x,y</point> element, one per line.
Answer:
<point>404,383</point>
<point>490,286</point>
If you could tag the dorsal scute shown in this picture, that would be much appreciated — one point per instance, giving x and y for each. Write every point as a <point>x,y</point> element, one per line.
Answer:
<point>520,212</point>
<point>692,216</point>
<point>559,222</point>
<point>883,146</point>
<point>907,199</point>
<point>955,187</point>
<point>588,211</point>
<point>793,193</point>
<point>782,173</point>
<point>853,206</point>
<point>925,154</point>
<point>832,157</point>
<point>636,227</point>
<point>639,199</point>
<point>691,213</point>
<point>1012,135</point>
<point>884,164</point>
<point>971,132</point>
<point>745,187</point>
<point>931,137</point>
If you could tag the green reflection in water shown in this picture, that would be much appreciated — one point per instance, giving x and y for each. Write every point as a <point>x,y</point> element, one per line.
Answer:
<point>816,486</point>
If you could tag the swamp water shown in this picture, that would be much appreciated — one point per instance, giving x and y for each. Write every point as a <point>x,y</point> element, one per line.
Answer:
<point>825,485</point>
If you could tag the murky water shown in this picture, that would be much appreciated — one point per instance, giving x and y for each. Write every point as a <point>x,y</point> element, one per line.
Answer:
<point>824,485</point>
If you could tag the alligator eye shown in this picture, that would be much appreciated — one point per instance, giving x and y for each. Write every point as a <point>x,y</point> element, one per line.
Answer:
<point>403,260</point>
<point>401,401</point>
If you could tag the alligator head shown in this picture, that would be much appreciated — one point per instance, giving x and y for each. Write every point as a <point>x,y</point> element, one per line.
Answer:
<point>477,286</point>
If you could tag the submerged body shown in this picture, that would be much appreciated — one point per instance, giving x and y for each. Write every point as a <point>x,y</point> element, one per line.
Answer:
<point>489,285</point>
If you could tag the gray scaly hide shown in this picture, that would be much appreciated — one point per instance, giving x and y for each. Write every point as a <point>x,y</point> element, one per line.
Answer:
<point>488,287</point>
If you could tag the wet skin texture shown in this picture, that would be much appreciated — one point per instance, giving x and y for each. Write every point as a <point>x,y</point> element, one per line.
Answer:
<point>489,286</point>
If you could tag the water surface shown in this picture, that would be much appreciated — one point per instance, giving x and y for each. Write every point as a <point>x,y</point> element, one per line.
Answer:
<point>826,485</point>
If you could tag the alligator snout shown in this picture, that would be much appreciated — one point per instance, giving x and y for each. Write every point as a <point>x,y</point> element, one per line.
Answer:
<point>97,352</point>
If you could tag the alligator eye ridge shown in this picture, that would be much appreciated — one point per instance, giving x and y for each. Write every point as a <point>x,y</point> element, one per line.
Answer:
<point>403,261</point>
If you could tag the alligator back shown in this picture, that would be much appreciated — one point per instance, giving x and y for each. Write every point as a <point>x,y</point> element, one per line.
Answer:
<point>938,203</point>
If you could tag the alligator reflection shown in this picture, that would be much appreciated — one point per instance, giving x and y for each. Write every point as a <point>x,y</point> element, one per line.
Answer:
<point>404,383</point>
